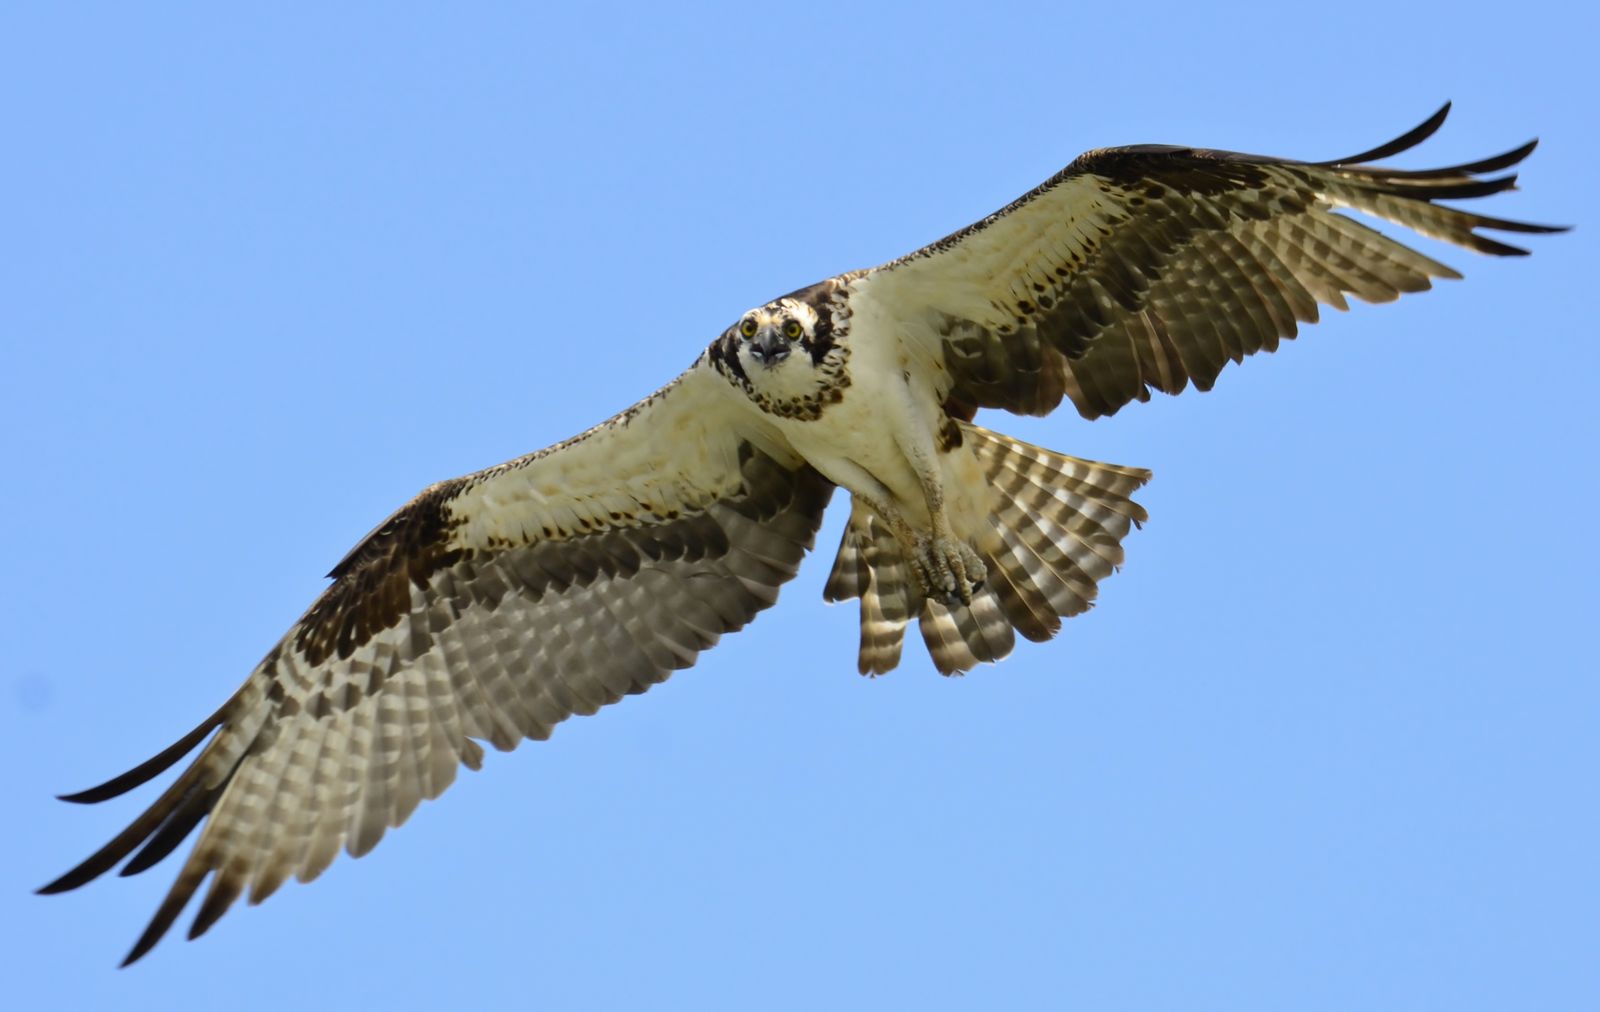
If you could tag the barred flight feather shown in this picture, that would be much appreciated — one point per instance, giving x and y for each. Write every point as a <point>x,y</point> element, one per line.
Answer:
<point>426,642</point>
<point>1149,267</point>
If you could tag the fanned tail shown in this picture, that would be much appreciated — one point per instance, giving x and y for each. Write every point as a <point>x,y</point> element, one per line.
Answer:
<point>1059,522</point>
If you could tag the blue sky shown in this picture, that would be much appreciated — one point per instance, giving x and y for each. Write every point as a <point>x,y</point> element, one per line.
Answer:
<point>1327,742</point>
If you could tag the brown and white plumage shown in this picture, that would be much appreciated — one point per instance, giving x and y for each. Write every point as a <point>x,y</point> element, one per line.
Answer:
<point>1148,267</point>
<point>494,606</point>
<point>1059,524</point>
<point>489,608</point>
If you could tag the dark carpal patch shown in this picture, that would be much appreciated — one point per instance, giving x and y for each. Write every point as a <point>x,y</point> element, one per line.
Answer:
<point>372,585</point>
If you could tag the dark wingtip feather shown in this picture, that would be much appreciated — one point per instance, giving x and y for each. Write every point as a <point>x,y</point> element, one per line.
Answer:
<point>225,888</point>
<point>1410,139</point>
<point>147,941</point>
<point>97,864</point>
<point>1506,160</point>
<point>1466,189</point>
<point>1494,163</point>
<point>150,768</point>
<point>1506,225</point>
<point>180,807</point>
<point>182,891</point>
<point>193,807</point>
<point>1493,247</point>
<point>125,842</point>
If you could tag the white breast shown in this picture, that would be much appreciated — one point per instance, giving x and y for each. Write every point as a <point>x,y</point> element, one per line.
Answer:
<point>890,415</point>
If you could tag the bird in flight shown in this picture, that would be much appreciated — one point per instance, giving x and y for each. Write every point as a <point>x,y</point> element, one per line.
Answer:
<point>494,606</point>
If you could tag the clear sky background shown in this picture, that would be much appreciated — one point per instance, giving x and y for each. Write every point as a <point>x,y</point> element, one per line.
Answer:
<point>1328,741</point>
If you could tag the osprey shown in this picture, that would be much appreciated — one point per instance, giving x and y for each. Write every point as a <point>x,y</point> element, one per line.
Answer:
<point>492,607</point>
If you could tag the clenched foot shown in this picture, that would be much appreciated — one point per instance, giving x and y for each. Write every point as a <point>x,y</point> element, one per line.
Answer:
<point>947,568</point>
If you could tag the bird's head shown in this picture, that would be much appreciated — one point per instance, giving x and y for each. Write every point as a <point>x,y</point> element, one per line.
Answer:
<point>787,355</point>
<point>766,336</point>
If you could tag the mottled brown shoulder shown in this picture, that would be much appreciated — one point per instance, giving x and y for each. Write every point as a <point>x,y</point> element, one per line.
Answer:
<point>372,584</point>
<point>1150,171</point>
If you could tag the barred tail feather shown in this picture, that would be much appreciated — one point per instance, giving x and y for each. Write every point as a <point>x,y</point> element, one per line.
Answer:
<point>1058,523</point>
<point>870,566</point>
<point>960,636</point>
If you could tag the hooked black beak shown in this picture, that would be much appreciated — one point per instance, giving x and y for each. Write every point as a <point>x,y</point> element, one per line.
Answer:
<point>769,347</point>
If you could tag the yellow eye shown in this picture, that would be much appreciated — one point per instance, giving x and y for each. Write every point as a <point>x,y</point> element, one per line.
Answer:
<point>748,328</point>
<point>791,330</point>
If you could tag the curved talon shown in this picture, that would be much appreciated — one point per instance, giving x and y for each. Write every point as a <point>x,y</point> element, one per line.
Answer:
<point>948,569</point>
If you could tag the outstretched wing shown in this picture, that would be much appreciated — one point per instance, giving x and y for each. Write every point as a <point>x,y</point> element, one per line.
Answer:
<point>491,607</point>
<point>1147,268</point>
